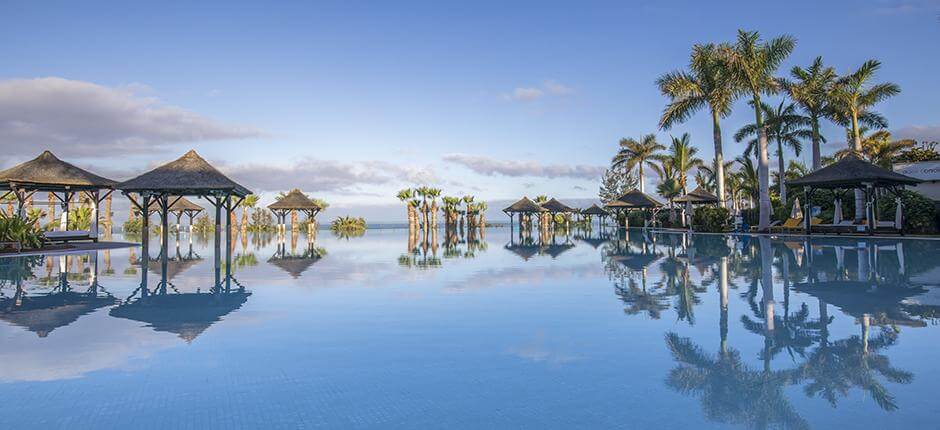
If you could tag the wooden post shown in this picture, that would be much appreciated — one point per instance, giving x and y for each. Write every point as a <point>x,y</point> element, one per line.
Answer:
<point>144,242</point>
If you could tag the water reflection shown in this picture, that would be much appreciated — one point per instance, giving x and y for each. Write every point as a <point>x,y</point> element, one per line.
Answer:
<point>876,289</point>
<point>425,252</point>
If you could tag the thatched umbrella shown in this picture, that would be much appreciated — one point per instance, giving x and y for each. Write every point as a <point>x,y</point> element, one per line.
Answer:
<point>189,175</point>
<point>852,173</point>
<point>698,196</point>
<point>48,173</point>
<point>635,199</point>
<point>522,207</point>
<point>295,200</point>
<point>181,206</point>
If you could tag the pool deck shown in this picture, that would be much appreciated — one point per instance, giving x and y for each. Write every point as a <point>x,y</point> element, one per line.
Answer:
<point>71,248</point>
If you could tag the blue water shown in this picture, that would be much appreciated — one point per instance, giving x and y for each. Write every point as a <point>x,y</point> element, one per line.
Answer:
<point>383,331</point>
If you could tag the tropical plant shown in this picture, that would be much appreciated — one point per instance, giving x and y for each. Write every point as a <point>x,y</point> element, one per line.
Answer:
<point>405,196</point>
<point>248,204</point>
<point>261,221</point>
<point>22,230</point>
<point>852,98</point>
<point>919,151</point>
<point>711,219</point>
<point>707,178</point>
<point>811,88</point>
<point>783,125</point>
<point>878,148</point>
<point>348,226</point>
<point>636,153</point>
<point>707,83</point>
<point>80,218</point>
<point>203,225</point>
<point>681,158</point>
<point>753,64</point>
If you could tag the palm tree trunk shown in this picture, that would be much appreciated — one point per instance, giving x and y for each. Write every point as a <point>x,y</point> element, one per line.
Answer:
<point>817,158</point>
<point>783,186</point>
<point>642,187</point>
<point>859,195</point>
<point>763,170</point>
<point>52,205</point>
<point>719,159</point>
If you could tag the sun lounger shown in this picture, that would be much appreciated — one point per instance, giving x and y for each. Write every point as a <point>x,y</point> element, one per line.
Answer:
<point>68,236</point>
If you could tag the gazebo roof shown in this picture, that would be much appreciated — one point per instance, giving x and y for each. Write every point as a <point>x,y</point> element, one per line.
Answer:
<point>698,195</point>
<point>181,205</point>
<point>295,200</point>
<point>851,172</point>
<point>595,210</point>
<point>524,205</point>
<point>187,314</point>
<point>186,176</point>
<point>557,206</point>
<point>634,199</point>
<point>48,173</point>
<point>45,313</point>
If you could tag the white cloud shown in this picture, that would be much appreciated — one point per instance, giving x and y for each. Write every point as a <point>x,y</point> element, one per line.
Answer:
<point>930,133</point>
<point>77,118</point>
<point>315,175</point>
<point>548,87</point>
<point>491,167</point>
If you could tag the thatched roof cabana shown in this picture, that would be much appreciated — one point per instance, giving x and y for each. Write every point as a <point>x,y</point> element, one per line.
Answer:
<point>634,200</point>
<point>851,172</point>
<point>595,210</point>
<point>295,200</point>
<point>48,173</point>
<point>189,175</point>
<point>524,205</point>
<point>181,205</point>
<point>555,206</point>
<point>697,196</point>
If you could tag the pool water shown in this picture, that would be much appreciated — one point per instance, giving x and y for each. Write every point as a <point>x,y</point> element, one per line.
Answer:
<point>589,330</point>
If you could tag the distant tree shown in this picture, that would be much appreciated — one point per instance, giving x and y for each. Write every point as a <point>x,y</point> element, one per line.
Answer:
<point>616,182</point>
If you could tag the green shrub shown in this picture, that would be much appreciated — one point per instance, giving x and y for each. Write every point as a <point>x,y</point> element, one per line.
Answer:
<point>711,219</point>
<point>203,225</point>
<point>133,226</point>
<point>347,226</point>
<point>919,212</point>
<point>261,221</point>
<point>24,231</point>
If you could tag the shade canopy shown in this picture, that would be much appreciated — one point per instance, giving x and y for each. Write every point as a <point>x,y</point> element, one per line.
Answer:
<point>189,175</point>
<point>295,200</point>
<point>557,206</point>
<point>634,199</point>
<point>595,210</point>
<point>48,173</point>
<point>697,196</point>
<point>524,205</point>
<point>851,172</point>
<point>181,205</point>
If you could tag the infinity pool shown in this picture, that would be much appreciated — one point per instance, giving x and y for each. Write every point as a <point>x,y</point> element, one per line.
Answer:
<point>591,330</point>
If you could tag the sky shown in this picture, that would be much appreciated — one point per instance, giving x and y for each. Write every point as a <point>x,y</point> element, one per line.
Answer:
<point>351,101</point>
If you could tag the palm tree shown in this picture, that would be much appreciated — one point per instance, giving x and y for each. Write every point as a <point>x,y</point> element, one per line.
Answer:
<point>748,178</point>
<point>878,148</point>
<point>753,64</point>
<point>668,186</point>
<point>811,89</point>
<point>637,153</point>
<point>707,83</point>
<point>852,98</point>
<point>249,203</point>
<point>784,126</point>
<point>404,196</point>
<point>707,178</point>
<point>681,158</point>
<point>433,194</point>
<point>468,201</point>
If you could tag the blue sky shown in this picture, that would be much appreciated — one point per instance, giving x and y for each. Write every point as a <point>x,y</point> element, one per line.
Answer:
<point>354,100</point>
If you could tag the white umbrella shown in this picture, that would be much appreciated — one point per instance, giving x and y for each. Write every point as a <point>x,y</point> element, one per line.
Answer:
<point>898,220</point>
<point>837,215</point>
<point>796,212</point>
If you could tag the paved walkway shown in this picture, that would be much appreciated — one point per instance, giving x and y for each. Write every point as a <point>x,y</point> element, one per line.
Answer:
<point>71,248</point>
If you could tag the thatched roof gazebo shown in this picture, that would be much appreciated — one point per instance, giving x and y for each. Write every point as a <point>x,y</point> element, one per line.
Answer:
<point>295,200</point>
<point>523,207</point>
<point>696,197</point>
<point>554,207</point>
<point>189,175</point>
<point>181,207</point>
<point>852,173</point>
<point>61,179</point>
<point>634,199</point>
<point>595,210</point>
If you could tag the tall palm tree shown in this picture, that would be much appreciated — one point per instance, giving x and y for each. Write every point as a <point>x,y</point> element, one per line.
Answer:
<point>811,89</point>
<point>707,178</point>
<point>468,201</point>
<point>748,178</point>
<point>682,158</point>
<point>405,196</point>
<point>249,203</point>
<point>707,83</point>
<point>753,64</point>
<point>637,153</point>
<point>786,127</point>
<point>878,148</point>
<point>852,98</point>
